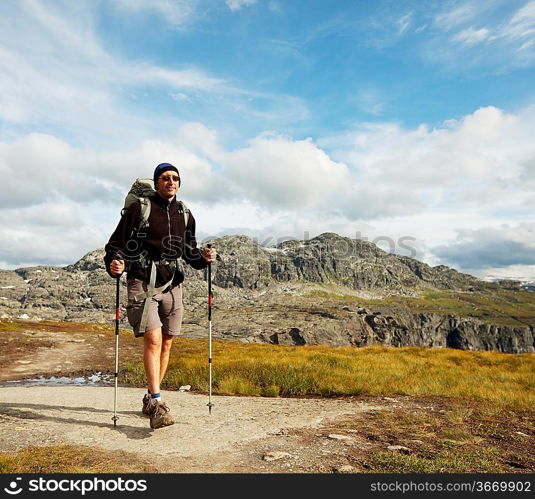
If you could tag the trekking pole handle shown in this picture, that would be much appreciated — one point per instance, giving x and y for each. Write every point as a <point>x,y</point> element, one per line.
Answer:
<point>210,295</point>
<point>218,256</point>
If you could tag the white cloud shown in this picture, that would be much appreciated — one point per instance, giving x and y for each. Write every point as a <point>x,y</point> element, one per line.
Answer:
<point>55,233</point>
<point>55,73</point>
<point>488,37</point>
<point>238,4</point>
<point>269,228</point>
<point>144,73</point>
<point>55,168</point>
<point>178,13</point>
<point>451,19</point>
<point>81,176</point>
<point>370,100</point>
<point>269,177</point>
<point>404,23</point>
<point>472,36</point>
<point>522,23</point>
<point>525,273</point>
<point>385,28</point>
<point>58,214</point>
<point>74,58</point>
<point>200,139</point>
<point>380,179</point>
<point>457,163</point>
<point>289,50</point>
<point>491,247</point>
<point>280,173</point>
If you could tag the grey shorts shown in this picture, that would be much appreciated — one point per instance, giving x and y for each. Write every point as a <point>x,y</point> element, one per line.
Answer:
<point>165,310</point>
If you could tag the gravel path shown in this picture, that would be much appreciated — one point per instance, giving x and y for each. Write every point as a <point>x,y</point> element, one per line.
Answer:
<point>81,415</point>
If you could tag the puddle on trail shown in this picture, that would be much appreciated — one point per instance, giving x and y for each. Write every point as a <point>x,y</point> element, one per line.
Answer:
<point>96,379</point>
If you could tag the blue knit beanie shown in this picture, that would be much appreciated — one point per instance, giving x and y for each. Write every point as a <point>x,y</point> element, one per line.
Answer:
<point>163,167</point>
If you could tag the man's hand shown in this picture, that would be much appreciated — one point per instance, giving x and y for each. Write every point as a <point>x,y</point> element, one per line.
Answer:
<point>209,254</point>
<point>117,267</point>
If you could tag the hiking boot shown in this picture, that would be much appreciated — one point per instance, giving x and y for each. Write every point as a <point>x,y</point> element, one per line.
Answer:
<point>148,408</point>
<point>161,416</point>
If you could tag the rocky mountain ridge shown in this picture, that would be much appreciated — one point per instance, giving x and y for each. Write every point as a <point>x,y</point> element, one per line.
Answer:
<point>327,258</point>
<point>271,295</point>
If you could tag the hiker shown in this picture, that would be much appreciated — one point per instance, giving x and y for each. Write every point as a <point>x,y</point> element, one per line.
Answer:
<point>149,254</point>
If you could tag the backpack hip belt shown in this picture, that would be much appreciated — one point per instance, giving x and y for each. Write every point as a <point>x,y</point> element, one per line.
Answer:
<point>142,189</point>
<point>152,290</point>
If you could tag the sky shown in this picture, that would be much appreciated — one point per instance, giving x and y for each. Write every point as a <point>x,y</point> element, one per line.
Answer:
<point>406,123</point>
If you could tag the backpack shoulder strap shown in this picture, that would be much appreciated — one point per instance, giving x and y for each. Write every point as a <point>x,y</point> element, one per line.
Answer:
<point>145,210</point>
<point>185,211</point>
<point>142,223</point>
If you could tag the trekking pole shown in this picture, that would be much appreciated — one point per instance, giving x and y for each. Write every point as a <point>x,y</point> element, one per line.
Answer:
<point>210,296</point>
<point>116,374</point>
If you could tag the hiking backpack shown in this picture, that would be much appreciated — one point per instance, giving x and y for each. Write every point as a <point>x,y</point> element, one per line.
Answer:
<point>140,191</point>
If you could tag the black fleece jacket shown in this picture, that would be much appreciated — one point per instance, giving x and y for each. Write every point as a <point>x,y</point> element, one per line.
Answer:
<point>166,238</point>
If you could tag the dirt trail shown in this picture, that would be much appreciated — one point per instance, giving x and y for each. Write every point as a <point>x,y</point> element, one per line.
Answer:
<point>243,434</point>
<point>237,436</point>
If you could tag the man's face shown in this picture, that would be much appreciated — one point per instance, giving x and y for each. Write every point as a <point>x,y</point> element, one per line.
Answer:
<point>167,187</point>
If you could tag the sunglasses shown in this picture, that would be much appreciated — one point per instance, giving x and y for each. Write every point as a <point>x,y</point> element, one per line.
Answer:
<point>167,178</point>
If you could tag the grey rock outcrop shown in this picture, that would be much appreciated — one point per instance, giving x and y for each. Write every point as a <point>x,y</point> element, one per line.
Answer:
<point>329,258</point>
<point>267,295</point>
<point>399,328</point>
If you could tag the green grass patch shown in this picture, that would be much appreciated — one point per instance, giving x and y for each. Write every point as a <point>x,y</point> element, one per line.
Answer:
<point>332,295</point>
<point>447,461</point>
<point>68,459</point>
<point>449,436</point>
<point>51,326</point>
<point>505,380</point>
<point>268,370</point>
<point>502,307</point>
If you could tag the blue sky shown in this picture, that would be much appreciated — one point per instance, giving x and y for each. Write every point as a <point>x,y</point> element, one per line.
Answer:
<point>409,123</point>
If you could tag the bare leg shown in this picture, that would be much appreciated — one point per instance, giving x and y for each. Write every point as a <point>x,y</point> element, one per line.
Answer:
<point>167,341</point>
<point>156,346</point>
<point>152,350</point>
<point>156,350</point>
